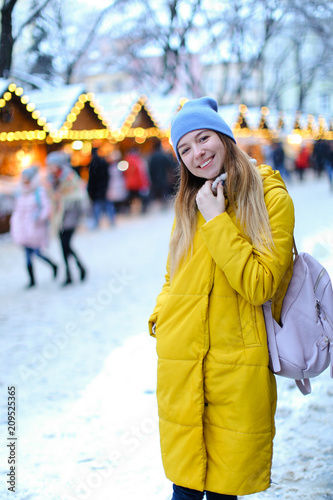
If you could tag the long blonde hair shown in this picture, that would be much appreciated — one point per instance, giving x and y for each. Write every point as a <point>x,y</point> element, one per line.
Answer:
<point>244,190</point>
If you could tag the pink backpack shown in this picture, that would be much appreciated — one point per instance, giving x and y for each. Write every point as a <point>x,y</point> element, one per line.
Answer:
<point>302,347</point>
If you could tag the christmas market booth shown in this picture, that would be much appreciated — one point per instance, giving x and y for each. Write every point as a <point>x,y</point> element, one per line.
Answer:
<point>74,121</point>
<point>23,130</point>
<point>133,122</point>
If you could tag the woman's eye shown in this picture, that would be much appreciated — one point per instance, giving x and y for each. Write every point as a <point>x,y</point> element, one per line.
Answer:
<point>184,151</point>
<point>204,137</point>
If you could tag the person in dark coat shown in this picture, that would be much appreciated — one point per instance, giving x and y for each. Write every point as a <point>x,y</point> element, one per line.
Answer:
<point>329,164</point>
<point>319,156</point>
<point>159,165</point>
<point>278,157</point>
<point>97,187</point>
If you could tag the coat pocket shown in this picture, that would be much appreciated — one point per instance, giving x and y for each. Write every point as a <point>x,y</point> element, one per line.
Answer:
<point>249,325</point>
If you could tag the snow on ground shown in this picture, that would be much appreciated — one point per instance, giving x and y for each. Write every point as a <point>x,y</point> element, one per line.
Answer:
<point>85,369</point>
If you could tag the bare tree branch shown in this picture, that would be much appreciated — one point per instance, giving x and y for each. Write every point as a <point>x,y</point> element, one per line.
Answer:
<point>31,18</point>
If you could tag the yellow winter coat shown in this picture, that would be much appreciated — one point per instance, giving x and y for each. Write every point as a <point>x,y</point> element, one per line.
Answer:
<point>216,394</point>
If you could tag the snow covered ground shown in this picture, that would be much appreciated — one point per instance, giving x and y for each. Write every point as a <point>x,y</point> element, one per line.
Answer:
<point>84,369</point>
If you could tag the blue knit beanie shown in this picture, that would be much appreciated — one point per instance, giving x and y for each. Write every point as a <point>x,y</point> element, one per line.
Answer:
<point>195,115</point>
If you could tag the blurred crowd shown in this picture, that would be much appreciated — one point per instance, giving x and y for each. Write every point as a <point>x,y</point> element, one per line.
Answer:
<point>56,199</point>
<point>129,183</point>
<point>294,163</point>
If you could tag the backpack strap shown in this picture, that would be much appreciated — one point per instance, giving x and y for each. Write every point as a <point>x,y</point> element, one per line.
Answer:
<point>295,251</point>
<point>304,386</point>
<point>271,339</point>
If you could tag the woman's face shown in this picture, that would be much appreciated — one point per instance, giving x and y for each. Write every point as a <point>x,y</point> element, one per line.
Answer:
<point>202,152</point>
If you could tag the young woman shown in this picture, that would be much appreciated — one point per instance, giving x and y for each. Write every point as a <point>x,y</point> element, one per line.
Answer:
<point>230,252</point>
<point>29,224</point>
<point>68,195</point>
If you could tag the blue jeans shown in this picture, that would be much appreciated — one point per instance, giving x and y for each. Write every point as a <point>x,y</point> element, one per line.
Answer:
<point>103,206</point>
<point>181,493</point>
<point>29,252</point>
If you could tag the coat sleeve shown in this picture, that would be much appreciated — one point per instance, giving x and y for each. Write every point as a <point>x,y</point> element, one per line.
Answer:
<point>161,297</point>
<point>159,302</point>
<point>45,205</point>
<point>255,275</point>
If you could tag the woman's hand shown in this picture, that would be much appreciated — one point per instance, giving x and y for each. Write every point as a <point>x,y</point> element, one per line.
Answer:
<point>210,205</point>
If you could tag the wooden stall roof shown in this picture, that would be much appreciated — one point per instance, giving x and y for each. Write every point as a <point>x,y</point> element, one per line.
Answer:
<point>71,113</point>
<point>19,119</point>
<point>130,115</point>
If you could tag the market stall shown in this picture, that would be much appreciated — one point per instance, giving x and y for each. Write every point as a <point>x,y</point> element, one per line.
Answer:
<point>23,130</point>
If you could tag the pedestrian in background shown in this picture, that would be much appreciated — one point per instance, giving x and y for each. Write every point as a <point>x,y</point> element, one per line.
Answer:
<point>137,181</point>
<point>329,164</point>
<point>116,192</point>
<point>278,157</point>
<point>230,252</point>
<point>98,182</point>
<point>319,156</point>
<point>68,196</point>
<point>159,165</point>
<point>302,162</point>
<point>29,224</point>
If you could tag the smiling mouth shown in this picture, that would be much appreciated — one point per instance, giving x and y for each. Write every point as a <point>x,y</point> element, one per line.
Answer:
<point>206,163</point>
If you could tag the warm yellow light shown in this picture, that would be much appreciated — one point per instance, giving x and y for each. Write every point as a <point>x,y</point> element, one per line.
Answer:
<point>242,108</point>
<point>71,117</point>
<point>10,136</point>
<point>12,87</point>
<point>90,96</point>
<point>36,114</point>
<point>30,135</point>
<point>30,107</point>
<point>26,160</point>
<point>24,99</point>
<point>77,145</point>
<point>2,103</point>
<point>83,98</point>
<point>294,139</point>
<point>24,135</point>
<point>79,105</point>
<point>182,101</point>
<point>3,136</point>
<point>7,96</point>
<point>139,132</point>
<point>140,140</point>
<point>41,121</point>
<point>265,111</point>
<point>19,91</point>
<point>17,136</point>
<point>41,135</point>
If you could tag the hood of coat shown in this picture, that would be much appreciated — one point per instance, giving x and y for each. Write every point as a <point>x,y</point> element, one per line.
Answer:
<point>272,178</point>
